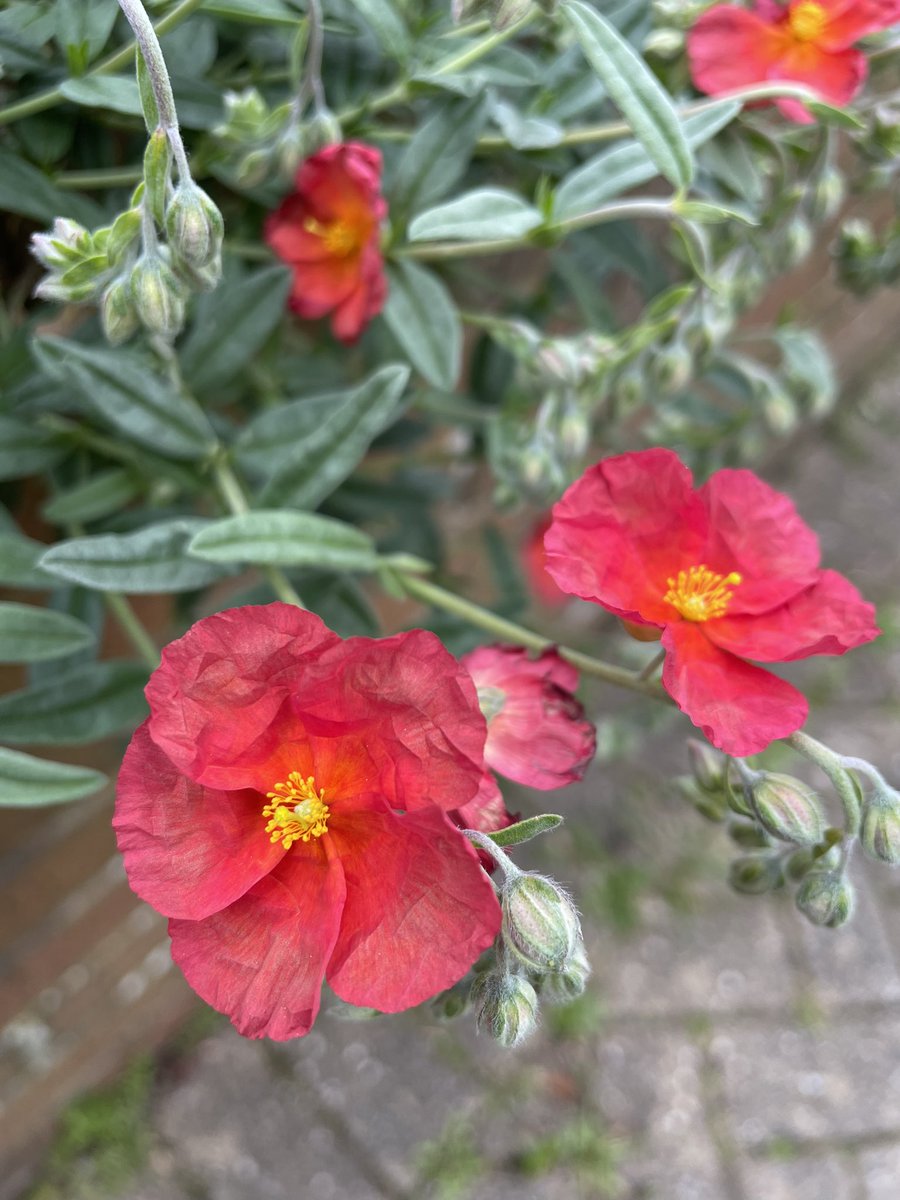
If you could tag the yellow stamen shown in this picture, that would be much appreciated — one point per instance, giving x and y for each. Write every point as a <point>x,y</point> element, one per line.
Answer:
<point>297,812</point>
<point>340,237</point>
<point>700,594</point>
<point>807,20</point>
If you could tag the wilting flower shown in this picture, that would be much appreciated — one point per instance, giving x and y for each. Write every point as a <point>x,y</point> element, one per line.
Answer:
<point>285,805</point>
<point>328,231</point>
<point>726,572</point>
<point>804,41</point>
<point>537,732</point>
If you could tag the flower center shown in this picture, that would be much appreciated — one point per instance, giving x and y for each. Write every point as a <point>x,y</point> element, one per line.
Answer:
<point>807,20</point>
<point>340,237</point>
<point>297,812</point>
<point>700,594</point>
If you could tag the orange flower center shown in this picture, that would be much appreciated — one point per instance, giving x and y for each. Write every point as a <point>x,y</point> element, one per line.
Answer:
<point>297,811</point>
<point>699,594</point>
<point>807,20</point>
<point>341,238</point>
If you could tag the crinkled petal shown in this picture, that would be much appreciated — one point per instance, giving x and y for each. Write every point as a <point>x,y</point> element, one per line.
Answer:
<point>730,48</point>
<point>262,960</point>
<point>850,20</point>
<point>511,667</point>
<point>830,617</point>
<point>487,812</point>
<point>757,532</point>
<point>189,850</point>
<point>740,708</point>
<point>419,909</point>
<point>622,529</point>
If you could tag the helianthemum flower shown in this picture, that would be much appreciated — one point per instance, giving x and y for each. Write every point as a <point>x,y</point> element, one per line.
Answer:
<point>804,41</point>
<point>328,231</point>
<point>726,572</point>
<point>537,732</point>
<point>285,805</point>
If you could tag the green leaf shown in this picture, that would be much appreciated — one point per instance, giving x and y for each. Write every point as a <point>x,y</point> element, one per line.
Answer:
<point>121,389</point>
<point>423,318</point>
<point>153,559</point>
<point>306,449</point>
<point>634,88</point>
<point>261,12</point>
<point>230,326</point>
<point>839,117</point>
<point>29,782</point>
<point>115,92</point>
<point>707,213</point>
<point>145,91</point>
<point>524,831</point>
<point>27,191</point>
<point>18,562</point>
<point>286,539</point>
<point>86,23</point>
<point>487,213</point>
<point>614,171</point>
<point>25,449</point>
<point>31,634</point>
<point>436,157</point>
<point>105,493</point>
<point>388,26</point>
<point>82,705</point>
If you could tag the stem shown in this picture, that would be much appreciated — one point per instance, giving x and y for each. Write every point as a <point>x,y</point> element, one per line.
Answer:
<point>652,666</point>
<point>53,96</point>
<point>832,764</point>
<point>431,593</point>
<point>312,76</point>
<point>137,634</point>
<point>864,768</point>
<point>236,502</point>
<point>103,178</point>
<point>503,861</point>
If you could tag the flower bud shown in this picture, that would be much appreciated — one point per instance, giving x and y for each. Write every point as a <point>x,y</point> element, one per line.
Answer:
<point>562,987</point>
<point>157,295</point>
<point>707,765</point>
<point>540,924</point>
<point>880,828</point>
<point>754,874</point>
<point>786,808</point>
<point>194,225</point>
<point>122,235</point>
<point>826,898</point>
<point>67,243</point>
<point>506,12</point>
<point>748,835</point>
<point>708,804</point>
<point>664,43</point>
<point>672,367</point>
<point>321,130</point>
<point>506,1007</point>
<point>827,194</point>
<point>117,312</point>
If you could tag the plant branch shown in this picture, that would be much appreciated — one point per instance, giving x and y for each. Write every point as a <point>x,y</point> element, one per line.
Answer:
<point>833,766</point>
<point>137,634</point>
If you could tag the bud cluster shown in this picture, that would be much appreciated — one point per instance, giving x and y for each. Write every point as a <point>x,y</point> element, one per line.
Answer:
<point>260,141</point>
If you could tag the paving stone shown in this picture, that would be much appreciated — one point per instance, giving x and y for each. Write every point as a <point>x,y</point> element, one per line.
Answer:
<point>806,1178</point>
<point>861,1061</point>
<point>881,1172</point>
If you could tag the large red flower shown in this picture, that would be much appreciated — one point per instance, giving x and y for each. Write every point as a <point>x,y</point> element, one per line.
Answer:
<point>328,231</point>
<point>804,41</point>
<point>726,572</point>
<point>285,805</point>
<point>537,732</point>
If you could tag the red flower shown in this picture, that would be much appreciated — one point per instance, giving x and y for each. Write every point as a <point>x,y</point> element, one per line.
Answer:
<point>726,572</point>
<point>534,558</point>
<point>328,230</point>
<point>804,41</point>
<point>537,734</point>
<point>285,805</point>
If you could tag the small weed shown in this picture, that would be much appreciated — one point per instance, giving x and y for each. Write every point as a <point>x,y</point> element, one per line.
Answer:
<point>451,1163</point>
<point>583,1148</point>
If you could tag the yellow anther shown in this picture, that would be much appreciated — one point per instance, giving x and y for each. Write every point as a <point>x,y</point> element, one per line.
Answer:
<point>807,20</point>
<point>700,594</point>
<point>297,812</point>
<point>340,237</point>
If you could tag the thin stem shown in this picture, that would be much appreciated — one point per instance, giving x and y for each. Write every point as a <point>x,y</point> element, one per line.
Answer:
<point>483,842</point>
<point>101,178</point>
<point>431,593</point>
<point>312,76</point>
<point>121,58</point>
<point>850,763</point>
<point>137,634</point>
<point>652,666</point>
<point>832,764</point>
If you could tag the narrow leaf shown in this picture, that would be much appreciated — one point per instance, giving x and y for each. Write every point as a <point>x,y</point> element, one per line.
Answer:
<point>423,318</point>
<point>25,449</point>
<point>105,493</point>
<point>437,156</point>
<point>82,705</point>
<point>277,537</point>
<point>486,213</point>
<point>18,562</point>
<point>32,634</point>
<point>29,782</point>
<point>524,831</point>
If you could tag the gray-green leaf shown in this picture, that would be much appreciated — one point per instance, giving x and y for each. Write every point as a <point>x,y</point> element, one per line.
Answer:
<point>32,634</point>
<point>486,213</point>
<point>82,705</point>
<point>29,782</point>
<point>422,316</point>
<point>275,537</point>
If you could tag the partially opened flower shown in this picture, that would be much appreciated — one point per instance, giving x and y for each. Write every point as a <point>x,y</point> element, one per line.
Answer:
<point>804,41</point>
<point>726,572</point>
<point>285,805</point>
<point>537,731</point>
<point>328,232</point>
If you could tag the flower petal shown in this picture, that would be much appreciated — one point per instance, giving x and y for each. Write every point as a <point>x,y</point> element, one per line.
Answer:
<point>758,532</point>
<point>419,909</point>
<point>850,20</point>
<point>730,48</point>
<point>487,811</point>
<point>189,850</point>
<point>262,959</point>
<point>622,529</point>
<point>830,617</point>
<point>836,75</point>
<point>740,708</point>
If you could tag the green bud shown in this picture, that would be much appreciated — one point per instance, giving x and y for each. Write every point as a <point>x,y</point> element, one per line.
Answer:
<point>506,12</point>
<point>664,43</point>
<point>67,243</point>
<point>292,146</point>
<point>540,924</point>
<point>708,804</point>
<point>157,295</point>
<point>672,367</point>
<point>157,166</point>
<point>630,388</point>
<point>825,898</point>
<point>506,1007</point>
<point>254,167</point>
<point>786,808</point>
<point>245,114</point>
<point>827,195</point>
<point>707,765</point>
<point>880,828</point>
<point>748,835</point>
<point>117,312</point>
<point>194,225</point>
<point>122,236</point>
<point>562,987</point>
<point>754,874</point>
<point>321,130</point>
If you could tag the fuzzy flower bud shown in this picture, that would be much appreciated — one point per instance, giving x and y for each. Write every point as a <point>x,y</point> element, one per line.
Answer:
<point>754,874</point>
<point>562,987</point>
<point>826,898</point>
<point>880,829</point>
<point>117,312</point>
<point>194,225</point>
<point>786,808</point>
<point>707,766</point>
<point>67,243</point>
<point>157,295</point>
<point>540,924</point>
<point>506,1007</point>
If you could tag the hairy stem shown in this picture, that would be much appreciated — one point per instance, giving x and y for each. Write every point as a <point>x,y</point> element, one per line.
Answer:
<point>832,764</point>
